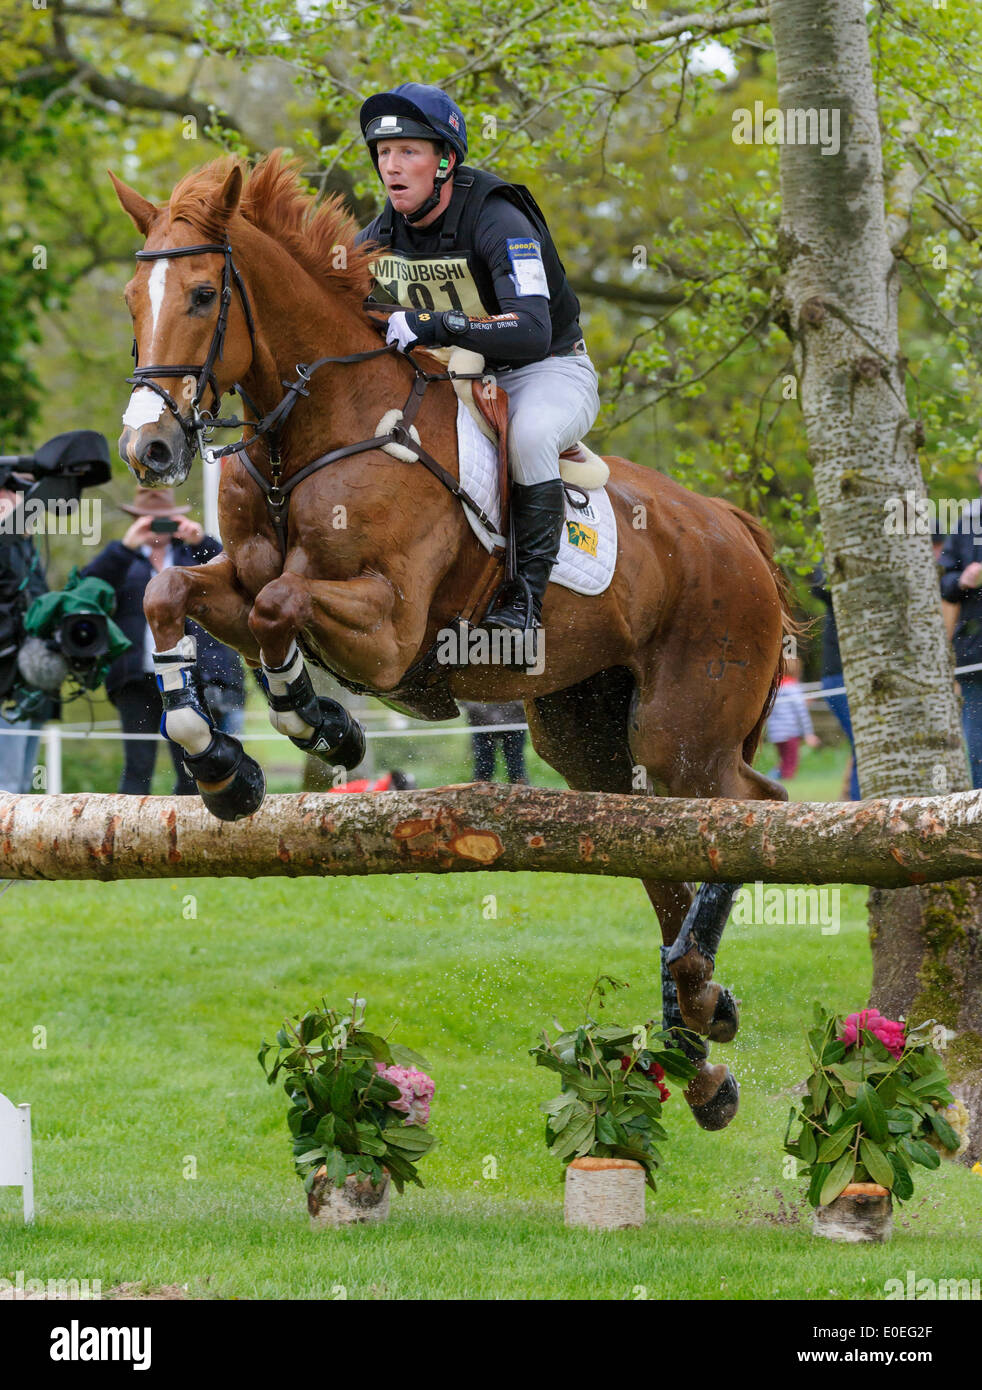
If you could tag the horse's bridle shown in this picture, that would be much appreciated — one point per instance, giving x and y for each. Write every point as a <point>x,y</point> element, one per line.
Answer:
<point>197,422</point>
<point>199,425</point>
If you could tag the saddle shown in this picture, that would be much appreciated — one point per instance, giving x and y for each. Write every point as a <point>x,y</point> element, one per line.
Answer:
<point>487,402</point>
<point>424,687</point>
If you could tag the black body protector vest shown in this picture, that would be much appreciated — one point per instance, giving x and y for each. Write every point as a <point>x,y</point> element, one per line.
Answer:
<point>454,276</point>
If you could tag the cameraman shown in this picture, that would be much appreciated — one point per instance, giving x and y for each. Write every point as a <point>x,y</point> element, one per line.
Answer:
<point>21,582</point>
<point>160,536</point>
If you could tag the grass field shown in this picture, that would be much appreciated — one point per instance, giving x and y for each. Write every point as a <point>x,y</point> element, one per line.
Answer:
<point>162,1157</point>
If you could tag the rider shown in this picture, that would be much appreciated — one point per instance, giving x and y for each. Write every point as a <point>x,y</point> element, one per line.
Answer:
<point>470,258</point>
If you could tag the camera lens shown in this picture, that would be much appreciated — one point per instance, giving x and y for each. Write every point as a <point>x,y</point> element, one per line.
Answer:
<point>84,633</point>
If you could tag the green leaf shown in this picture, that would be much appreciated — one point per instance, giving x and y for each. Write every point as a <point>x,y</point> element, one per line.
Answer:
<point>819,1176</point>
<point>606,1132</point>
<point>409,1139</point>
<point>944,1130</point>
<point>808,1144</point>
<point>836,1144</point>
<point>876,1163</point>
<point>377,1047</point>
<point>311,1156</point>
<point>337,1167</point>
<point>406,1057</point>
<point>675,1065</point>
<point>903,1183</point>
<point>818,1088</point>
<point>922,1153</point>
<point>576,1139</point>
<point>838,1178</point>
<point>324,1133</point>
<point>871,1113</point>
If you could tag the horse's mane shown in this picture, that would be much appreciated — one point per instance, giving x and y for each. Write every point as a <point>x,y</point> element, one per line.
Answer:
<point>320,239</point>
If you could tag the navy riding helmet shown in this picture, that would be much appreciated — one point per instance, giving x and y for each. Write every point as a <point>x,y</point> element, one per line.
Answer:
<point>418,113</point>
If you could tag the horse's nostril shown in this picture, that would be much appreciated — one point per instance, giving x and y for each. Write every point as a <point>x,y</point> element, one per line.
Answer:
<point>158,452</point>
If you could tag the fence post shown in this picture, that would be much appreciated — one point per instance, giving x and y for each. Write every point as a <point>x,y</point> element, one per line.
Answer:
<point>52,759</point>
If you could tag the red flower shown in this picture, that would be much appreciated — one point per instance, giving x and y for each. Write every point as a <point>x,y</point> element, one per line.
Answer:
<point>652,1070</point>
<point>889,1032</point>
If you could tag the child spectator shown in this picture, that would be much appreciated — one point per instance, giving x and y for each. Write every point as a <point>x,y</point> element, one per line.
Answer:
<point>790,722</point>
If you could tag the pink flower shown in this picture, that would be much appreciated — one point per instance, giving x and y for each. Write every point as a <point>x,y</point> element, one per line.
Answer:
<point>889,1032</point>
<point>416,1091</point>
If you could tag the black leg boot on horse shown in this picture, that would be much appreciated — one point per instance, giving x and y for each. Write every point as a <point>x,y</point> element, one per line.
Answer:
<point>691,959</point>
<point>232,785</point>
<point>312,722</point>
<point>539,510</point>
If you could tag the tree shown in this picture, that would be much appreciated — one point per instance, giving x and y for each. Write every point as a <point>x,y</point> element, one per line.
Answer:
<point>841,294</point>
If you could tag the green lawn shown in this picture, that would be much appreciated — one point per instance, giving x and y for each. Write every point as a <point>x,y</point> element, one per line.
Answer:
<point>153,1019</point>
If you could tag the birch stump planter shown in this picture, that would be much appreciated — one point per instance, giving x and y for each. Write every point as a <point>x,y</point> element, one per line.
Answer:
<point>358,1202</point>
<point>863,1211</point>
<point>605,1194</point>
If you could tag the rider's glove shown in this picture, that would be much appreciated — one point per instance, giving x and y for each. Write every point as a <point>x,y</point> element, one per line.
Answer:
<point>402,330</point>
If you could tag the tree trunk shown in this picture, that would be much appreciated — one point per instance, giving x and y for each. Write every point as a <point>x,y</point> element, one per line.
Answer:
<point>485,826</point>
<point>841,290</point>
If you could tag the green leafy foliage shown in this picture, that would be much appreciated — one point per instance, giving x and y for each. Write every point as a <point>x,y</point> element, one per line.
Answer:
<point>866,1115</point>
<point>340,1118</point>
<point>611,1102</point>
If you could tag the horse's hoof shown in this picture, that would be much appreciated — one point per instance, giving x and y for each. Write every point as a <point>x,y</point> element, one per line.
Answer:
<point>240,797</point>
<point>351,750</point>
<point>726,1018</point>
<point>718,1112</point>
<point>338,739</point>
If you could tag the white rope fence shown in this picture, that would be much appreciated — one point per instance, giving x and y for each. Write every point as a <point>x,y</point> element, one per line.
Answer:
<point>54,734</point>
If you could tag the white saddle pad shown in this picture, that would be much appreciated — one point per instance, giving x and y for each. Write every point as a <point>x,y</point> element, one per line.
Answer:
<point>588,549</point>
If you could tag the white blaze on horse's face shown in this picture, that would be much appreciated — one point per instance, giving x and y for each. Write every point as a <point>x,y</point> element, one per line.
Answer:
<point>145,406</point>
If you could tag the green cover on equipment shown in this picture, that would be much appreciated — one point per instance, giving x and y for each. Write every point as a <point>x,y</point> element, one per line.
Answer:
<point>79,595</point>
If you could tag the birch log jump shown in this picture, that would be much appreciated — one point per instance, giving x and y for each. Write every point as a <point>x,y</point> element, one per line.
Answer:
<point>887,843</point>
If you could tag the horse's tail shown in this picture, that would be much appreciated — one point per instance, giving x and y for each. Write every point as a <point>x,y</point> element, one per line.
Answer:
<point>790,626</point>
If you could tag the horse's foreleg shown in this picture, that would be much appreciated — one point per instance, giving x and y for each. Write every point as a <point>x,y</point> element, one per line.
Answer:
<point>231,783</point>
<point>341,612</point>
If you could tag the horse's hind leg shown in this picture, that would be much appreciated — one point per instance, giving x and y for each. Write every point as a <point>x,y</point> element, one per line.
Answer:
<point>688,757</point>
<point>691,959</point>
<point>583,733</point>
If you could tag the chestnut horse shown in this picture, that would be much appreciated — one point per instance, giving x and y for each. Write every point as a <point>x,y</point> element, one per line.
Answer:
<point>659,685</point>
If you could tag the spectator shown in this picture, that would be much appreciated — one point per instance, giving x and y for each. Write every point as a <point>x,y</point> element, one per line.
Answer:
<point>961,576</point>
<point>21,582</point>
<point>832,672</point>
<point>790,722</point>
<point>485,717</point>
<point>128,565</point>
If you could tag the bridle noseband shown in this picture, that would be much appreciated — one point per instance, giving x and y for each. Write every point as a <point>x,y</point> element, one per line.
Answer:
<point>197,422</point>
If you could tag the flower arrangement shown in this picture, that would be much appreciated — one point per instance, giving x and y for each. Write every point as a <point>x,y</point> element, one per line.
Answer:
<point>358,1104</point>
<point>613,1088</point>
<point>876,1104</point>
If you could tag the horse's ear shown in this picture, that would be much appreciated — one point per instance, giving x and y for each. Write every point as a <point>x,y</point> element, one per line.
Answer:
<point>142,213</point>
<point>230,193</point>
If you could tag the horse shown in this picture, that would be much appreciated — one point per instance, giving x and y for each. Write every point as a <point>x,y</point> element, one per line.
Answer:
<point>660,685</point>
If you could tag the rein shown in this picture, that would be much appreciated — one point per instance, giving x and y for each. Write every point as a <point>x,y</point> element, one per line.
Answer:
<point>277,492</point>
<point>199,425</point>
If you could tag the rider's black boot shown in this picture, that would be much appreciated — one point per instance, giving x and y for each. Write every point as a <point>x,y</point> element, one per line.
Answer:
<point>539,511</point>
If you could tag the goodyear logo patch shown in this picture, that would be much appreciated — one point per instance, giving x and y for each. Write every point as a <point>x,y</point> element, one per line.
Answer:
<point>583,537</point>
